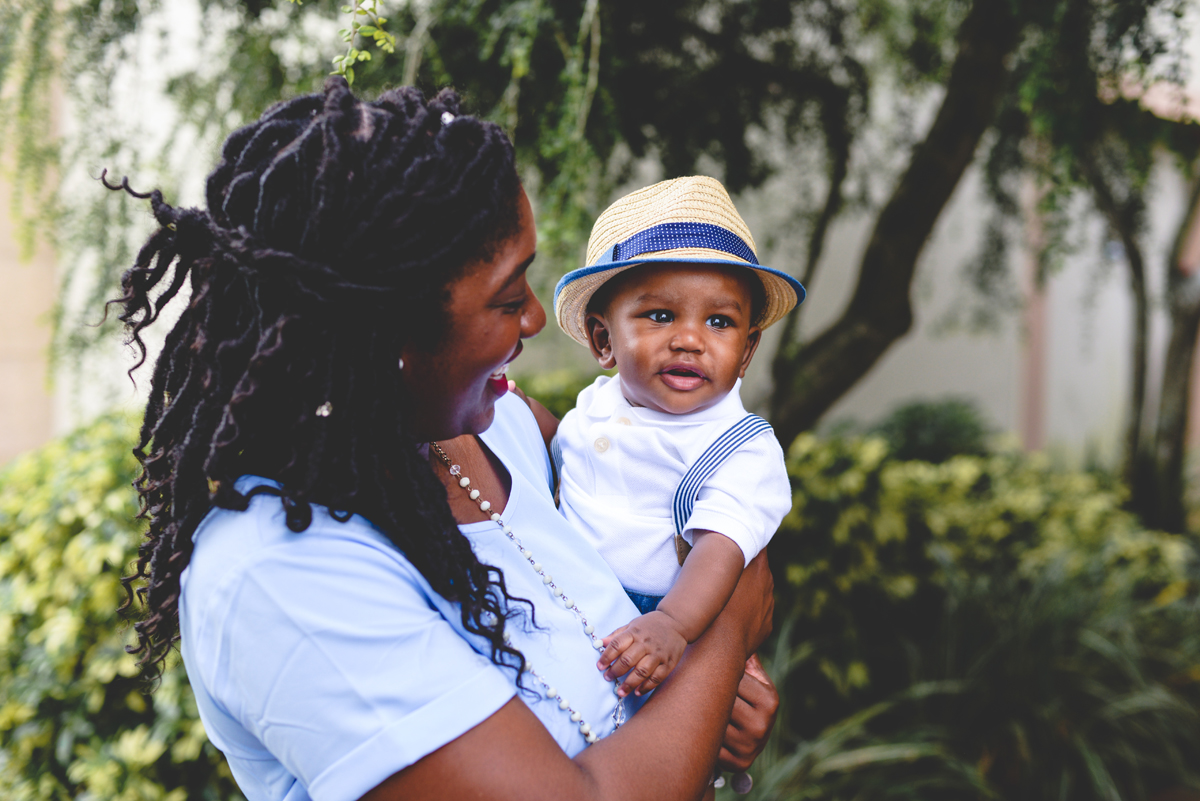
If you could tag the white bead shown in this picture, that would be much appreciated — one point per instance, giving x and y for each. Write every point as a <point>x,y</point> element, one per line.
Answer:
<point>588,629</point>
<point>464,482</point>
<point>547,578</point>
<point>496,516</point>
<point>563,703</point>
<point>566,602</point>
<point>473,494</point>
<point>551,692</point>
<point>576,717</point>
<point>591,738</point>
<point>507,529</point>
<point>617,688</point>
<point>585,729</point>
<point>557,591</point>
<point>528,554</point>
<point>528,666</point>
<point>537,566</point>
<point>598,643</point>
<point>485,505</point>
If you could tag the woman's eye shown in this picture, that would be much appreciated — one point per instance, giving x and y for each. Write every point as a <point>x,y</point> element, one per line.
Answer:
<point>719,321</point>
<point>660,316</point>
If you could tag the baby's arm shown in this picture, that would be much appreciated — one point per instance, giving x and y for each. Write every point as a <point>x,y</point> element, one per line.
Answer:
<point>651,645</point>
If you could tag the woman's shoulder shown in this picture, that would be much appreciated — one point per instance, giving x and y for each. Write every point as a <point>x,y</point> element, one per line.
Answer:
<point>235,548</point>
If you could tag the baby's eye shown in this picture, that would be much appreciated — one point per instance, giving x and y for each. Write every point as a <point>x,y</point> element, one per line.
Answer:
<point>661,316</point>
<point>719,321</point>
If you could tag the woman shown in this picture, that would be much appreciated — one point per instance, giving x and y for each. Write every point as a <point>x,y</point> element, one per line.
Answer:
<point>351,525</point>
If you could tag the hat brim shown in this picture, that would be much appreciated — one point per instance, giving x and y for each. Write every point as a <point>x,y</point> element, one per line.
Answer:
<point>575,289</point>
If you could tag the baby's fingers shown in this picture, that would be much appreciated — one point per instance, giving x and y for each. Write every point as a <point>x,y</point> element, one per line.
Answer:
<point>614,645</point>
<point>656,678</point>
<point>638,680</point>
<point>627,661</point>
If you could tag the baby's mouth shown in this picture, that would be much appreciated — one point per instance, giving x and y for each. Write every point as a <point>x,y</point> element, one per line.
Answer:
<point>682,377</point>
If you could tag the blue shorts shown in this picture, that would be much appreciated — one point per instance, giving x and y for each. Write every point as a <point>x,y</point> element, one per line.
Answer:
<point>644,603</point>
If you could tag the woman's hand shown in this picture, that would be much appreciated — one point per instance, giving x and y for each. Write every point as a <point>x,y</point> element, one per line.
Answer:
<point>752,719</point>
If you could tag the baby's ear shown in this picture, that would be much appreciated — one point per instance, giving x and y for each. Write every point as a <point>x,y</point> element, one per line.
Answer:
<point>752,340</point>
<point>600,342</point>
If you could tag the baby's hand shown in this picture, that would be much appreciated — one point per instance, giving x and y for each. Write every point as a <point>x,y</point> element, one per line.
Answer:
<point>647,649</point>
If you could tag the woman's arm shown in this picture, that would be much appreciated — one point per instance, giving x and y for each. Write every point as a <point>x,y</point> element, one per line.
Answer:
<point>664,753</point>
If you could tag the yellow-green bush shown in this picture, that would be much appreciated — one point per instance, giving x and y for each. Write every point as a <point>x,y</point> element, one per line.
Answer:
<point>983,627</point>
<point>75,720</point>
<point>870,533</point>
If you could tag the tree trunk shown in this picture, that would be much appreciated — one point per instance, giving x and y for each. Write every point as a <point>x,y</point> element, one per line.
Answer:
<point>812,378</point>
<point>1168,511</point>
<point>1137,469</point>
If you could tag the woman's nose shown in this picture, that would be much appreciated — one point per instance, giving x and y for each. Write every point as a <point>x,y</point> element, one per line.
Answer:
<point>533,317</point>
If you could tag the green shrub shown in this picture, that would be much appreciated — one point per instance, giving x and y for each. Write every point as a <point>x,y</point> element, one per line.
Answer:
<point>75,720</point>
<point>986,627</point>
<point>934,431</point>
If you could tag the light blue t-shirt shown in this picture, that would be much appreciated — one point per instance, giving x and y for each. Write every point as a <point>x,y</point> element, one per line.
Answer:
<point>323,662</point>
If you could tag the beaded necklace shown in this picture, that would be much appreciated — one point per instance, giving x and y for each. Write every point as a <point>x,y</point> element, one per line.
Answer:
<point>556,593</point>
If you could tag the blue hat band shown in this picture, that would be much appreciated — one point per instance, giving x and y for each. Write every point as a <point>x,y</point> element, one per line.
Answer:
<point>671,236</point>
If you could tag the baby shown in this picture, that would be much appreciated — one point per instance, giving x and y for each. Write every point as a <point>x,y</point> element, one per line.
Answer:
<point>661,467</point>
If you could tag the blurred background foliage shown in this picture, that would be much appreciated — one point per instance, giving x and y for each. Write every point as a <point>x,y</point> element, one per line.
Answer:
<point>76,721</point>
<point>983,627</point>
<point>883,104</point>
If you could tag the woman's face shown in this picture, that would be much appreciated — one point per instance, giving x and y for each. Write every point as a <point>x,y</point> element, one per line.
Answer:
<point>452,390</point>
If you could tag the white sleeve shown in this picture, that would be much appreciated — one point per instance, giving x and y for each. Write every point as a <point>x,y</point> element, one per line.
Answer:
<point>746,498</point>
<point>346,673</point>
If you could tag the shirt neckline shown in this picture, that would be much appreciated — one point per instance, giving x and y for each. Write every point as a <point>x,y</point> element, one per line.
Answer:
<point>514,492</point>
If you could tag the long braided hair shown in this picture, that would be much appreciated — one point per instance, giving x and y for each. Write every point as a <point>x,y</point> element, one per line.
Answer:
<point>333,228</point>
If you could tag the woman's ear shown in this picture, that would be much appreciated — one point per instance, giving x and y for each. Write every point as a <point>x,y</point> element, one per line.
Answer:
<point>752,340</point>
<point>600,342</point>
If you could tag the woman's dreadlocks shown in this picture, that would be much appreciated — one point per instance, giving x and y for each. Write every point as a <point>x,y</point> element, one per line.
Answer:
<point>333,228</point>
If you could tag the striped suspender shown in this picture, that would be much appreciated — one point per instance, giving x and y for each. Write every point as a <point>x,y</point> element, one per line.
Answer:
<point>738,434</point>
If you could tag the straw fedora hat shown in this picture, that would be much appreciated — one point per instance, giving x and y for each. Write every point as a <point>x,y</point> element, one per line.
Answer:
<point>684,220</point>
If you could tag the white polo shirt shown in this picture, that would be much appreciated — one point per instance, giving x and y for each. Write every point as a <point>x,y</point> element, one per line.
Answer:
<point>621,465</point>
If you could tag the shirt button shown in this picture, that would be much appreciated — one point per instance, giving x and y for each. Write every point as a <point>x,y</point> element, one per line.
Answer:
<point>624,421</point>
<point>601,444</point>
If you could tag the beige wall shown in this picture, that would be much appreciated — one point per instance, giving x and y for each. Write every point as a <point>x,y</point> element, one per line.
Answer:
<point>28,290</point>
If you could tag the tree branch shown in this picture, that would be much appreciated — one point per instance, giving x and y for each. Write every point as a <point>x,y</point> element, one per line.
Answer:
<point>1124,220</point>
<point>880,311</point>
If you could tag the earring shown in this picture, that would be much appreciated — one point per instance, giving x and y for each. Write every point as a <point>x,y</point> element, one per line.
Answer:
<point>401,363</point>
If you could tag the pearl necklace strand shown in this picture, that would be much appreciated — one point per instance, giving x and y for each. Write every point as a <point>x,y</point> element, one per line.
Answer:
<point>556,592</point>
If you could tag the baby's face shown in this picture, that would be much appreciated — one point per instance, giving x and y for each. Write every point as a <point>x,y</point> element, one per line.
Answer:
<point>680,334</point>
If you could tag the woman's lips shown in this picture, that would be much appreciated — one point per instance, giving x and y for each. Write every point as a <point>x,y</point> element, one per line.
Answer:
<point>683,377</point>
<point>498,381</point>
